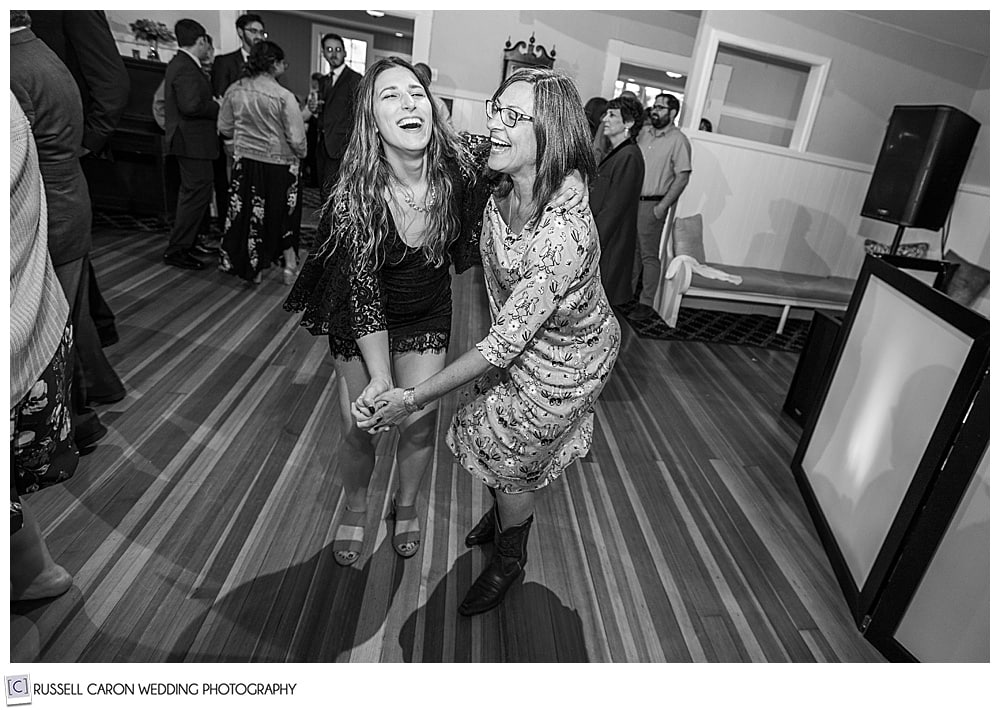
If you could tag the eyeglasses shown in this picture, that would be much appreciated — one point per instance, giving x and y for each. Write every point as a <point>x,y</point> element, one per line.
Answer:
<point>333,50</point>
<point>508,116</point>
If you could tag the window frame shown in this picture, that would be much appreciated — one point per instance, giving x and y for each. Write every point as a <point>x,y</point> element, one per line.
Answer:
<point>812,94</point>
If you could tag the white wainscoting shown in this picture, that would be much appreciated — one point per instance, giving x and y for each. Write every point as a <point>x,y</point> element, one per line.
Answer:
<point>772,208</point>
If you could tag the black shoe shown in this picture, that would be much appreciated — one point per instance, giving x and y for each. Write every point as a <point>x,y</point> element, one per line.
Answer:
<point>642,312</point>
<point>203,249</point>
<point>484,530</point>
<point>183,260</point>
<point>106,399</point>
<point>86,437</point>
<point>506,567</point>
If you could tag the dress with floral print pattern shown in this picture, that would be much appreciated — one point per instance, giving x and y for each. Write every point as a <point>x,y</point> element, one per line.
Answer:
<point>553,342</point>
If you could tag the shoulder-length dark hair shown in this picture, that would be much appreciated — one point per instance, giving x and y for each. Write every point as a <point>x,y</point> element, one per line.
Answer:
<point>262,57</point>
<point>562,134</point>
<point>357,206</point>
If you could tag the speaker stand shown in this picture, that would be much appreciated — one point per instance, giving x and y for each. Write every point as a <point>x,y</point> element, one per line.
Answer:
<point>897,239</point>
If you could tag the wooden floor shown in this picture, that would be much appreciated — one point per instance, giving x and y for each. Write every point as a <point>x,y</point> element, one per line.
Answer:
<point>200,529</point>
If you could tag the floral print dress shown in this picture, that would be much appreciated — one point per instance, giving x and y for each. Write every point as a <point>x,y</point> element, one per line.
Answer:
<point>553,341</point>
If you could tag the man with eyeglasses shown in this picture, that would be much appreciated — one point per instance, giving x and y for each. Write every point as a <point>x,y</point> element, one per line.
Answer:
<point>335,109</point>
<point>227,68</point>
<point>667,155</point>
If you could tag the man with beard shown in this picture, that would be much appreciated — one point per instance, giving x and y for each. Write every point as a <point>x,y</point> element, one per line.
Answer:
<point>667,154</point>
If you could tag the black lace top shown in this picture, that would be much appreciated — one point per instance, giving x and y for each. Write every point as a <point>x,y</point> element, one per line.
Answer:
<point>347,300</point>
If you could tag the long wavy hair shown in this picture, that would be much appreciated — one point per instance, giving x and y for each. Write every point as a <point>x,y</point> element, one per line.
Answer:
<point>562,134</point>
<point>358,199</point>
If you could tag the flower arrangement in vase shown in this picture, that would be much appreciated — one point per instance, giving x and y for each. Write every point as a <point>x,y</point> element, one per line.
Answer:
<point>153,33</point>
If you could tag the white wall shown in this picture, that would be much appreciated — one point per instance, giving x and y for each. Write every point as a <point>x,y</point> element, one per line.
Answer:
<point>467,47</point>
<point>218,23</point>
<point>874,67</point>
<point>773,208</point>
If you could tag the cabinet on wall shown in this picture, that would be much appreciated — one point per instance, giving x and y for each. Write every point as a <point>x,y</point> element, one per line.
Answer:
<point>138,179</point>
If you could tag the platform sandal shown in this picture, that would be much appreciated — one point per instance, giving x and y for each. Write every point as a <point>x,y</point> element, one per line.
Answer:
<point>349,537</point>
<point>407,543</point>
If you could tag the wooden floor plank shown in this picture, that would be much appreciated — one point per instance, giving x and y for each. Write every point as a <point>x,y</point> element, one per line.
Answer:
<point>200,529</point>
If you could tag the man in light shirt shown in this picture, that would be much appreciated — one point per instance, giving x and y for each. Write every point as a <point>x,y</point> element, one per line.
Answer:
<point>667,154</point>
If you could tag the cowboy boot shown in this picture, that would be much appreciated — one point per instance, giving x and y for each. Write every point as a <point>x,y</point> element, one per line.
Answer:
<point>484,530</point>
<point>507,565</point>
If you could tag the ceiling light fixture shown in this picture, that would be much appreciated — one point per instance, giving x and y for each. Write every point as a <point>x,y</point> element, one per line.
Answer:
<point>375,13</point>
<point>674,75</point>
<point>399,34</point>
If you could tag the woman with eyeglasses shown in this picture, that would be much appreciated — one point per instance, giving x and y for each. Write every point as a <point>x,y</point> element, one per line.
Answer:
<point>553,339</point>
<point>378,284</point>
<point>269,139</point>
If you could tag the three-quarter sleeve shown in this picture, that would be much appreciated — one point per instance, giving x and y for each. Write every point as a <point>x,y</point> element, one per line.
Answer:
<point>295,127</point>
<point>554,261</point>
<point>340,294</point>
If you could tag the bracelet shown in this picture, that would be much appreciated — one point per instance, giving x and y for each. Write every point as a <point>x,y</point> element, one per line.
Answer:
<point>410,404</point>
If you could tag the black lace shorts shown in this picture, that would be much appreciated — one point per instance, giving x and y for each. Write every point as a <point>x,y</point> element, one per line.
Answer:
<point>433,341</point>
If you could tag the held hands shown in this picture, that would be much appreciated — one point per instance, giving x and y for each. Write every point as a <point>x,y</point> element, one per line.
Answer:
<point>388,410</point>
<point>364,408</point>
<point>572,194</point>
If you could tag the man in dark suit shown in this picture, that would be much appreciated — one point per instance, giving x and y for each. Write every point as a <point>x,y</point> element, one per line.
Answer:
<point>191,136</point>
<point>83,41</point>
<point>226,69</point>
<point>338,91</point>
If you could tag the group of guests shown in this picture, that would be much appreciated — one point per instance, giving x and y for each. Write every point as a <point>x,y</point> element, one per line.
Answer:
<point>421,199</point>
<point>644,166</point>
<point>239,122</point>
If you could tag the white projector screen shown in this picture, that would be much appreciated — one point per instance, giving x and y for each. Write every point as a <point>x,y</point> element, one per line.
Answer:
<point>948,618</point>
<point>899,364</point>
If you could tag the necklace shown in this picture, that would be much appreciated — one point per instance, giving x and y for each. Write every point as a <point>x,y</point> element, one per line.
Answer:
<point>410,200</point>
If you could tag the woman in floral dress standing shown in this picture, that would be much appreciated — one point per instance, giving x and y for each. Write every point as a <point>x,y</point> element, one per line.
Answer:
<point>553,339</point>
<point>269,140</point>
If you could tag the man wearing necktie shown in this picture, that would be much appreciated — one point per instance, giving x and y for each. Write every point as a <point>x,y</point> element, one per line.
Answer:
<point>337,91</point>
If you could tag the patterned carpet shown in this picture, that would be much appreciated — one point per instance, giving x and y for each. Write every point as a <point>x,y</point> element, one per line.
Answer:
<point>722,327</point>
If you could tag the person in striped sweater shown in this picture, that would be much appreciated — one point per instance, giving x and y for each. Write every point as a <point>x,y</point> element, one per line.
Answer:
<point>41,339</point>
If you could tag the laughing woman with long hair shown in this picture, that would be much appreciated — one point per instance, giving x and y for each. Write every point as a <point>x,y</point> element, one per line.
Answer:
<point>379,285</point>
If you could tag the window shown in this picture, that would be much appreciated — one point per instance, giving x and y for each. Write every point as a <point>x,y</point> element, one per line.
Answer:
<point>757,91</point>
<point>755,96</point>
<point>647,83</point>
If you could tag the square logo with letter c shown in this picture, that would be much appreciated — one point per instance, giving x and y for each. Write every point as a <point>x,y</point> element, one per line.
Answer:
<point>18,689</point>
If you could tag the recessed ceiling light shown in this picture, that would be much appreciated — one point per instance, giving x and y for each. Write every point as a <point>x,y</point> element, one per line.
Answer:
<point>674,75</point>
<point>375,13</point>
<point>399,34</point>
<point>630,79</point>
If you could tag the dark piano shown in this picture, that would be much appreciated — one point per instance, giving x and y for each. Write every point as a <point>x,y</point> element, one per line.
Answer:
<point>139,178</point>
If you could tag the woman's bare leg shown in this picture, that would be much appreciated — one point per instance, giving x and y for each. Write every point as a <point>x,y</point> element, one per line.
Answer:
<point>33,572</point>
